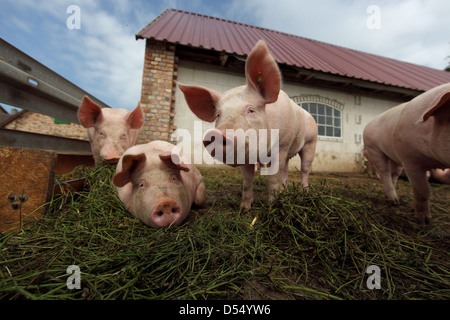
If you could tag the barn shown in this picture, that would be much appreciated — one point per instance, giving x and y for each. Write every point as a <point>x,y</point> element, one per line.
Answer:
<point>342,88</point>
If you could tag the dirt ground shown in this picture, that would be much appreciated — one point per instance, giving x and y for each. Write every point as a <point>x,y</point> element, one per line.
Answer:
<point>361,187</point>
<point>224,187</point>
<point>353,186</point>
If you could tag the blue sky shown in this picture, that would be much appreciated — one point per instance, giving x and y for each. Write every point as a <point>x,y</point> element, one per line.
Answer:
<point>103,57</point>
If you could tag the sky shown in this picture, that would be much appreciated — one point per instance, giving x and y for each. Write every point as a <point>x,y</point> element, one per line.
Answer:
<point>102,56</point>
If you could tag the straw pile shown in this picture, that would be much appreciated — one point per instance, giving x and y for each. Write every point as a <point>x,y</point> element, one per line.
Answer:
<point>304,245</point>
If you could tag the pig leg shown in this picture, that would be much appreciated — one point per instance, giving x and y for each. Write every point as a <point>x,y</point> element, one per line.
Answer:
<point>396,170</point>
<point>284,176</point>
<point>421,191</point>
<point>307,156</point>
<point>276,181</point>
<point>381,163</point>
<point>248,172</point>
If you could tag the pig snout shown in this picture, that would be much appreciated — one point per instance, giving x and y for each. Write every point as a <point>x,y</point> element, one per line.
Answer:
<point>166,213</point>
<point>217,143</point>
<point>111,154</point>
<point>112,160</point>
<point>217,137</point>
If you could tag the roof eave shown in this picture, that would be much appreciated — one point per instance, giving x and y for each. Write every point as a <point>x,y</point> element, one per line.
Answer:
<point>139,36</point>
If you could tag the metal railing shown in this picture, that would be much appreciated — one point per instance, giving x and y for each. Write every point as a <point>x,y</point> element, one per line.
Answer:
<point>27,84</point>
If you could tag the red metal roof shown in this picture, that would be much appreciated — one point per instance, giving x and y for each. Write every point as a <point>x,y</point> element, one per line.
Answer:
<point>221,35</point>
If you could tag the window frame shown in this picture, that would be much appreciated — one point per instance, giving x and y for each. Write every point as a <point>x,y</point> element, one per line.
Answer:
<point>328,105</point>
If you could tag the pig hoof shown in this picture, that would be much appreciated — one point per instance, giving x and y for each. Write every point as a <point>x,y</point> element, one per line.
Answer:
<point>394,202</point>
<point>245,206</point>
<point>423,221</point>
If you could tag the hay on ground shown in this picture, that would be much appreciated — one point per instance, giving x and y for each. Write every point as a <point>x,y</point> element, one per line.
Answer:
<point>304,245</point>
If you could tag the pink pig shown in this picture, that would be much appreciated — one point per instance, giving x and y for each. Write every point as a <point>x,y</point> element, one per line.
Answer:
<point>157,186</point>
<point>259,106</point>
<point>110,131</point>
<point>441,175</point>
<point>416,136</point>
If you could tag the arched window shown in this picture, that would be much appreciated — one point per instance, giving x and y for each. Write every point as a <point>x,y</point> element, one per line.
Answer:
<point>328,119</point>
<point>326,112</point>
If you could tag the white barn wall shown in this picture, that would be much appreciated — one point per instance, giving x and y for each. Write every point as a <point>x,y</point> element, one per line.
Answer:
<point>332,154</point>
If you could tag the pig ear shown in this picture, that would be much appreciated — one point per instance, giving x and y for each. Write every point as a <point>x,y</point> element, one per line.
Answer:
<point>135,118</point>
<point>262,73</point>
<point>89,113</point>
<point>131,163</point>
<point>173,161</point>
<point>201,101</point>
<point>439,103</point>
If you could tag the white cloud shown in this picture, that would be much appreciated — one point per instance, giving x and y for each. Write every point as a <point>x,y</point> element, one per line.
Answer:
<point>20,24</point>
<point>102,57</point>
<point>111,59</point>
<point>410,29</point>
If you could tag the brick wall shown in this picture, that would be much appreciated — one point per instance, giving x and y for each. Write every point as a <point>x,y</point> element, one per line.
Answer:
<point>158,91</point>
<point>34,122</point>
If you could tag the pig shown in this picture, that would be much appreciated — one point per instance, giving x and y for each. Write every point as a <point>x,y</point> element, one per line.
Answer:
<point>260,104</point>
<point>441,175</point>
<point>110,131</point>
<point>158,186</point>
<point>414,135</point>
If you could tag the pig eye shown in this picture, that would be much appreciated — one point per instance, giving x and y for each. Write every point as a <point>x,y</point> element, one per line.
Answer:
<point>173,178</point>
<point>101,134</point>
<point>250,110</point>
<point>123,136</point>
<point>141,185</point>
<point>217,115</point>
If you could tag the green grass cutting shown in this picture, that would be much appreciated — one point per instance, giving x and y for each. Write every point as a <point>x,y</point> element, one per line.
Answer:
<point>315,244</point>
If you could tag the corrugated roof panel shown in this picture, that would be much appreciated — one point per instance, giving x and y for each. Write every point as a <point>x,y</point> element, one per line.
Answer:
<point>201,31</point>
